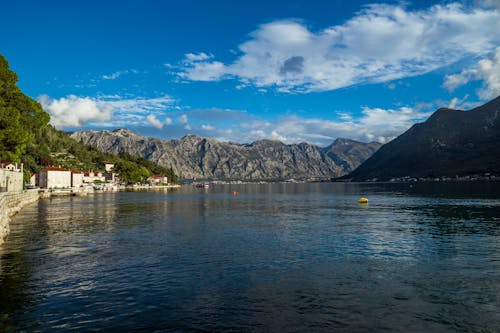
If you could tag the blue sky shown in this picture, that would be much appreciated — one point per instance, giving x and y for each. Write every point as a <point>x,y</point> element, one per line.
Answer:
<point>242,71</point>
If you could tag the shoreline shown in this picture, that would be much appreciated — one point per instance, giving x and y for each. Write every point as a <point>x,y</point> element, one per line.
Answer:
<point>147,187</point>
<point>10,204</point>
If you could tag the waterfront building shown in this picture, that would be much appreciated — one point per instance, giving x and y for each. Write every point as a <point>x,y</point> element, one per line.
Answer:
<point>92,177</point>
<point>76,178</point>
<point>108,166</point>
<point>9,165</point>
<point>54,178</point>
<point>158,179</point>
<point>33,179</point>
<point>11,176</point>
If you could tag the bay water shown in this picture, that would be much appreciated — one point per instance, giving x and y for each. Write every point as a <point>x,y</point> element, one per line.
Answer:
<point>419,257</point>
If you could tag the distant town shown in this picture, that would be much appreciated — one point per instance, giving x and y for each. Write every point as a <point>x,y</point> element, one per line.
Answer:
<point>75,181</point>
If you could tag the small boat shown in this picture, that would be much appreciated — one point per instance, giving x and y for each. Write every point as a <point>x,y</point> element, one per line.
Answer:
<point>202,185</point>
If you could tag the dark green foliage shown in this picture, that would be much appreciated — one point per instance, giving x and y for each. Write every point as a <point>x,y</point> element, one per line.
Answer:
<point>26,136</point>
<point>151,166</point>
<point>130,172</point>
<point>20,116</point>
<point>54,147</point>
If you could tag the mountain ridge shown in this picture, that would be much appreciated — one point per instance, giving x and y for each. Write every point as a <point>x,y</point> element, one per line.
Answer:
<point>449,143</point>
<point>195,158</point>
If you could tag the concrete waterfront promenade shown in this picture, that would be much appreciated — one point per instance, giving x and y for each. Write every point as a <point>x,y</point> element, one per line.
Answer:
<point>10,204</point>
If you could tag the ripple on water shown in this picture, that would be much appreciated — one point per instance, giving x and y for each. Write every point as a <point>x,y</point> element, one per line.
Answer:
<point>289,257</point>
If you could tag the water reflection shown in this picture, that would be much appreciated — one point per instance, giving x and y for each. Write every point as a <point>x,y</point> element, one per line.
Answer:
<point>280,257</point>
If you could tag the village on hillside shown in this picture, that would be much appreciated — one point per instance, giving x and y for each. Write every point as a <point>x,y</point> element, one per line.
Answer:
<point>55,179</point>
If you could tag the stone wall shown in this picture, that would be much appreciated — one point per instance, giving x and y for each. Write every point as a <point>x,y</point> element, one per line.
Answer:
<point>11,181</point>
<point>10,204</point>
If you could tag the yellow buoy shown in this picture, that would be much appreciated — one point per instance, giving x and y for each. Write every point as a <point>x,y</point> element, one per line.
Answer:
<point>363,200</point>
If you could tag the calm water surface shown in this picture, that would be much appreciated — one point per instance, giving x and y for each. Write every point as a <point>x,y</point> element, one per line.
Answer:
<point>274,258</point>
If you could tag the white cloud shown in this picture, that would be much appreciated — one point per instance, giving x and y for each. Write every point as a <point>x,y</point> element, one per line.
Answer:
<point>489,3</point>
<point>462,103</point>
<point>371,124</point>
<point>183,119</point>
<point>485,70</point>
<point>141,105</point>
<point>381,43</point>
<point>73,111</point>
<point>152,120</point>
<point>453,81</point>
<point>117,74</point>
<point>207,127</point>
<point>453,103</point>
<point>274,135</point>
<point>192,57</point>
<point>168,121</point>
<point>383,125</point>
<point>206,71</point>
<point>111,76</point>
<point>374,124</point>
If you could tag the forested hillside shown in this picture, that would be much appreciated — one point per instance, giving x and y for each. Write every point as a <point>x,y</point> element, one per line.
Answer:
<point>26,136</point>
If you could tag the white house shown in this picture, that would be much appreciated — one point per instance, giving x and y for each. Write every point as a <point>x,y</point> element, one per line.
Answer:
<point>11,176</point>
<point>76,178</point>
<point>91,177</point>
<point>108,166</point>
<point>9,165</point>
<point>54,178</point>
<point>34,179</point>
<point>158,179</point>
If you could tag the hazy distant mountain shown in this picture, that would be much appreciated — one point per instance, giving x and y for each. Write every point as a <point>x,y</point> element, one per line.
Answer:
<point>449,143</point>
<point>194,157</point>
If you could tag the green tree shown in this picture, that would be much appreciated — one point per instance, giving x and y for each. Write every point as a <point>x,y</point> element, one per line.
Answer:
<point>130,172</point>
<point>13,137</point>
<point>26,136</point>
<point>20,116</point>
<point>172,177</point>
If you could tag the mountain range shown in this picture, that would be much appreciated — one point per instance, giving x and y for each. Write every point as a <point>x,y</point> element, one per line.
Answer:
<point>196,158</point>
<point>449,143</point>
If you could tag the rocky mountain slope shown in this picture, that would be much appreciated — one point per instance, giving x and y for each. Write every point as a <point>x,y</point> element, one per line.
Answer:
<point>450,143</point>
<point>194,157</point>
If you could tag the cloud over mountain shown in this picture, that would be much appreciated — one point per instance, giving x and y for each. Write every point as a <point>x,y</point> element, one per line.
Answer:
<point>375,124</point>
<point>485,70</point>
<point>163,120</point>
<point>74,111</point>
